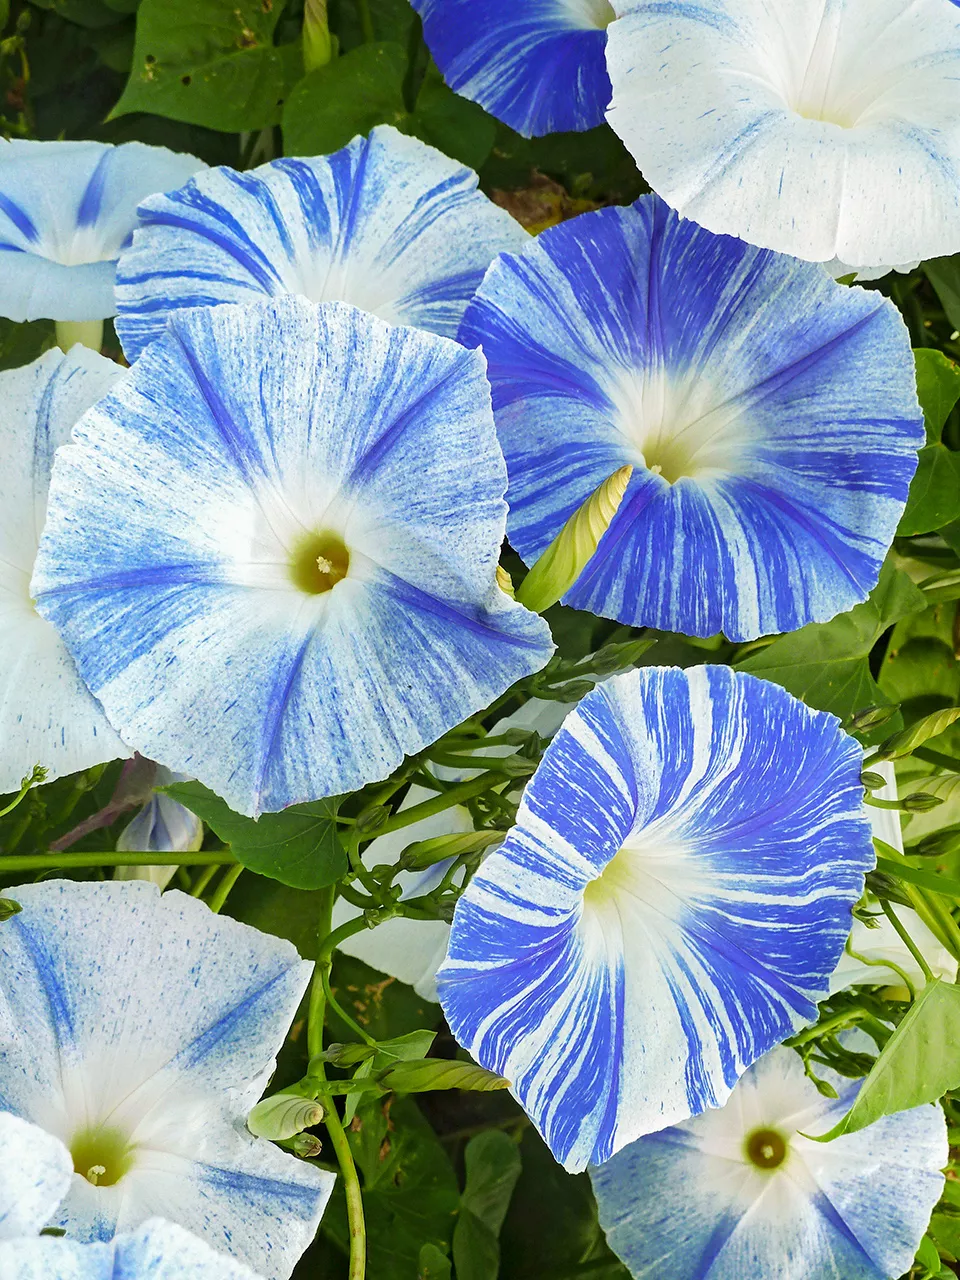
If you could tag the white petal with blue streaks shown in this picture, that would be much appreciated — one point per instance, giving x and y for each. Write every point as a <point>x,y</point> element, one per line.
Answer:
<point>670,904</point>
<point>538,66</point>
<point>47,715</point>
<point>67,209</point>
<point>690,1202</point>
<point>35,1174</point>
<point>770,416</point>
<point>387,224</point>
<point>176,517</point>
<point>152,1021</point>
<point>829,131</point>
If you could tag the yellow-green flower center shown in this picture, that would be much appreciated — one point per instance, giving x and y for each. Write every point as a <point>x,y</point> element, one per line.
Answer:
<point>318,562</point>
<point>102,1156</point>
<point>766,1148</point>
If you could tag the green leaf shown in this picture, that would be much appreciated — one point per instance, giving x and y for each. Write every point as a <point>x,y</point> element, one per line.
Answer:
<point>901,744</point>
<point>938,388</point>
<point>275,908</point>
<point>455,125</point>
<point>945,1229</point>
<point>492,1161</point>
<point>333,104</point>
<point>86,13</point>
<point>298,846</point>
<point>409,1048</point>
<point>918,1064</point>
<point>433,1264</point>
<point>440,1073</point>
<point>934,493</point>
<point>924,879</point>
<point>826,663</point>
<point>22,343</point>
<point>210,62</point>
<point>927,1255</point>
<point>944,275</point>
<point>392,20</point>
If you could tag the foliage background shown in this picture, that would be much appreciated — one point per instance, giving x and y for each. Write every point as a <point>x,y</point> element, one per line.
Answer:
<point>450,1175</point>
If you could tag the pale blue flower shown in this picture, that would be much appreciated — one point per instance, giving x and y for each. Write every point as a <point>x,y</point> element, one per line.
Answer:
<point>67,209</point>
<point>538,66</point>
<point>670,904</point>
<point>157,1251</point>
<point>139,1031</point>
<point>388,224</point>
<point>272,550</point>
<point>741,1194</point>
<point>770,416</point>
<point>47,715</point>
<point>828,131</point>
<point>35,1174</point>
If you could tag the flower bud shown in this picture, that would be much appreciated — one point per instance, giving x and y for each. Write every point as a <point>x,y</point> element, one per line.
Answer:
<point>9,908</point>
<point>869,718</point>
<point>305,1145</point>
<point>284,1115</point>
<point>873,781</point>
<point>920,802</point>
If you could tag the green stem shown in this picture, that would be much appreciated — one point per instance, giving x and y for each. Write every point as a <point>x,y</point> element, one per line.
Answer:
<point>884,964</point>
<point>366,22</point>
<point>348,1169</point>
<point>339,1010</point>
<point>28,785</point>
<point>230,878</point>
<point>838,1020</point>
<point>89,333</point>
<point>446,800</point>
<point>203,879</point>
<point>908,942</point>
<point>55,861</point>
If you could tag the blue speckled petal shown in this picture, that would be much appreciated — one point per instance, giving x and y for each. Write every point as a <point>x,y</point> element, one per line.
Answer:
<point>388,224</point>
<point>158,1251</point>
<point>35,1173</point>
<point>770,414</point>
<point>47,715</point>
<point>67,209</point>
<point>156,1019</point>
<point>538,66</point>
<point>687,1203</point>
<point>669,906</point>
<point>175,517</point>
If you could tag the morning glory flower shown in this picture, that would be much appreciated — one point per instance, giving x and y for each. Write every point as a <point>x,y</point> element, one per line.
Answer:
<point>741,1194</point>
<point>538,66</point>
<point>157,1251</point>
<point>67,209</point>
<point>48,716</point>
<point>35,1173</point>
<point>388,224</point>
<point>770,416</point>
<point>272,550</point>
<point>828,131</point>
<point>162,825</point>
<point>669,906</point>
<point>142,1030</point>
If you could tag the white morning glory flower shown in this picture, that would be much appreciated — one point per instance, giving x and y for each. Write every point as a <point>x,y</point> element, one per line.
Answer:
<point>156,1251</point>
<point>538,66</point>
<point>770,416</point>
<point>413,950</point>
<point>47,715</point>
<point>388,224</point>
<point>879,941</point>
<point>67,209</point>
<point>272,550</point>
<point>162,825</point>
<point>828,131</point>
<point>141,1031</point>
<point>35,1174</point>
<point>670,904</point>
<point>741,1194</point>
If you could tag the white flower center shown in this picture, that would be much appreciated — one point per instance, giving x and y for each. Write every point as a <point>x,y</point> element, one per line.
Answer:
<point>590,13</point>
<point>651,874</point>
<point>680,427</point>
<point>103,1156</point>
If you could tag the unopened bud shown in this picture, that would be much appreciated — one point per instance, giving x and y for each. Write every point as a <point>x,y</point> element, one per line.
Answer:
<point>427,853</point>
<point>9,908</point>
<point>869,718</point>
<point>505,582</point>
<point>305,1145</point>
<point>283,1116</point>
<point>350,1055</point>
<point>371,818</point>
<point>873,781</point>
<point>920,802</point>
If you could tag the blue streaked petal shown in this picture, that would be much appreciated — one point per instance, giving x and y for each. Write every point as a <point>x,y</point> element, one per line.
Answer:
<point>769,413</point>
<point>669,906</point>
<point>387,224</point>
<point>687,1202</point>
<point>808,129</point>
<point>175,517</point>
<point>35,1174</point>
<point>47,715</point>
<point>67,209</point>
<point>538,66</point>
<point>157,1251</point>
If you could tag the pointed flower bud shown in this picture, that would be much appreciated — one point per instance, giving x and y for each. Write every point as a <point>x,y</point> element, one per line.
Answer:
<point>305,1145</point>
<point>426,853</point>
<point>873,781</point>
<point>568,555</point>
<point>903,743</point>
<point>920,802</point>
<point>9,908</point>
<point>870,718</point>
<point>283,1116</point>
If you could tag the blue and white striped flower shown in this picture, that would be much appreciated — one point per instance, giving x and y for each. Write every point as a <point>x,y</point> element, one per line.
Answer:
<point>35,1175</point>
<point>67,209</point>
<point>157,1251</point>
<point>668,907</point>
<point>829,131</point>
<point>272,550</point>
<point>741,1194</point>
<point>387,224</point>
<point>539,66</point>
<point>47,715</point>
<point>770,416</point>
<point>142,1029</point>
